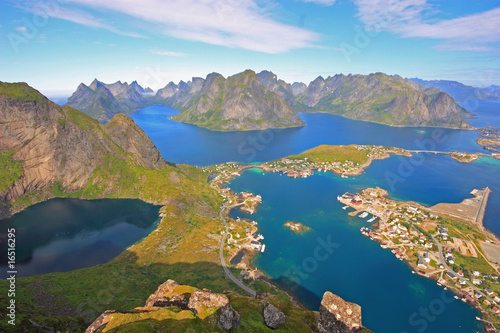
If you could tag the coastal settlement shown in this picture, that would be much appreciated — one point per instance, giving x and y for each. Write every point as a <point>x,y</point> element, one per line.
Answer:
<point>445,242</point>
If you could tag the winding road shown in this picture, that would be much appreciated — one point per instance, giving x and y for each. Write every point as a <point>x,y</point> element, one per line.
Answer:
<point>228,273</point>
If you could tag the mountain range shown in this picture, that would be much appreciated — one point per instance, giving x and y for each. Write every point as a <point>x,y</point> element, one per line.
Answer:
<point>249,100</point>
<point>461,92</point>
<point>102,101</point>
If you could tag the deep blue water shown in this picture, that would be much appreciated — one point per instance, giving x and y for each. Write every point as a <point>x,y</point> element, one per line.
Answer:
<point>184,143</point>
<point>60,235</point>
<point>488,113</point>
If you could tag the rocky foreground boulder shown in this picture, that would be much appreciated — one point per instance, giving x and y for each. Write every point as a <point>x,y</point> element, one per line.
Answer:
<point>273,316</point>
<point>207,310</point>
<point>338,316</point>
<point>206,299</point>
<point>171,295</point>
<point>229,318</point>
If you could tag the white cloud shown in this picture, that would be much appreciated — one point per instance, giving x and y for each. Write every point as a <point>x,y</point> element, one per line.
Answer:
<point>410,18</point>
<point>321,2</point>
<point>21,29</point>
<point>231,23</point>
<point>169,53</point>
<point>73,15</point>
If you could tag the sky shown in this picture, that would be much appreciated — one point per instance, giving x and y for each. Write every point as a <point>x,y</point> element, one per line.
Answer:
<point>54,45</point>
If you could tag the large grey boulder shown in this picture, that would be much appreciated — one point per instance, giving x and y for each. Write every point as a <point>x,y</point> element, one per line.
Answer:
<point>273,316</point>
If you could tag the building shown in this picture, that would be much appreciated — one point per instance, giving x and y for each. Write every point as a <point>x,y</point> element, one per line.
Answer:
<point>412,209</point>
<point>255,245</point>
<point>421,263</point>
<point>426,257</point>
<point>451,275</point>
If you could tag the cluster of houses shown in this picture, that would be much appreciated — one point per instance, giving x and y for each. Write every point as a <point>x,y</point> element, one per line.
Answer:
<point>406,229</point>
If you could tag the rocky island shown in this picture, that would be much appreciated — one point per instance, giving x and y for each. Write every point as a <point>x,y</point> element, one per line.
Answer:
<point>296,227</point>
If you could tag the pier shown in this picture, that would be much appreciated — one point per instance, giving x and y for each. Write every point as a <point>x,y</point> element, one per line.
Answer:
<point>482,208</point>
<point>471,209</point>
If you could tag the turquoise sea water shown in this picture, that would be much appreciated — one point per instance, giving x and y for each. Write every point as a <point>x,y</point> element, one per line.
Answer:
<point>59,235</point>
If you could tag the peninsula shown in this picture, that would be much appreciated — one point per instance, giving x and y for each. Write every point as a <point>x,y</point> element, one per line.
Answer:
<point>445,242</point>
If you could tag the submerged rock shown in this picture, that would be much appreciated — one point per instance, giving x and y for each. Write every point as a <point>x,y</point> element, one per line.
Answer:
<point>338,316</point>
<point>273,316</point>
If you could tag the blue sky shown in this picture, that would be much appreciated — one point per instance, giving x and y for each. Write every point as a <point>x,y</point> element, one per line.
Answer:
<point>54,45</point>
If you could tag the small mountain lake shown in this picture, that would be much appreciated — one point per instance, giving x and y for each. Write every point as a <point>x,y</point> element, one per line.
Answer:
<point>60,235</point>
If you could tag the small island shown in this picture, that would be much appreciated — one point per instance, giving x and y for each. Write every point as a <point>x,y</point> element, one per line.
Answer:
<point>464,157</point>
<point>297,227</point>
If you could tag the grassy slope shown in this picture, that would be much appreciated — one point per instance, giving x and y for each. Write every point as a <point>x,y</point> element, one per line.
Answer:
<point>10,170</point>
<point>326,153</point>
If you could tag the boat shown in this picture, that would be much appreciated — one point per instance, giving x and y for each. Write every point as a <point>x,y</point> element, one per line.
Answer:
<point>345,207</point>
<point>363,215</point>
<point>338,197</point>
<point>343,176</point>
<point>372,219</point>
<point>456,297</point>
<point>263,248</point>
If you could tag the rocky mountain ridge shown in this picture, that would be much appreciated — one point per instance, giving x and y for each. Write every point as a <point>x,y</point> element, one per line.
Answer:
<point>381,98</point>
<point>250,100</point>
<point>102,101</point>
<point>239,102</point>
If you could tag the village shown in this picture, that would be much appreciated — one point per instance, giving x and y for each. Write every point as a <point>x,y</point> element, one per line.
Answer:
<point>434,246</point>
<point>341,163</point>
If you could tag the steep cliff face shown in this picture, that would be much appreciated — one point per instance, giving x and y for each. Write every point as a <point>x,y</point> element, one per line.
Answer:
<point>239,102</point>
<point>382,98</point>
<point>61,145</point>
<point>102,101</point>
